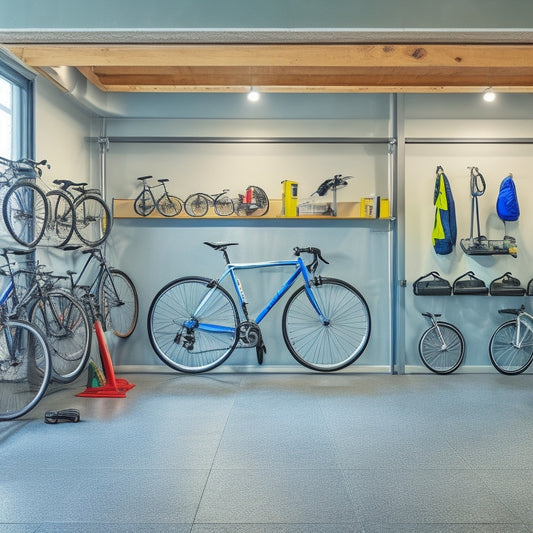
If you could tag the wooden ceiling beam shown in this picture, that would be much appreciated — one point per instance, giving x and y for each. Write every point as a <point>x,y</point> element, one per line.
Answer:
<point>369,55</point>
<point>292,68</point>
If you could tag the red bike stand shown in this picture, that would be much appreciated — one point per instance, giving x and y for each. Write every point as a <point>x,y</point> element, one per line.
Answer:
<point>114,387</point>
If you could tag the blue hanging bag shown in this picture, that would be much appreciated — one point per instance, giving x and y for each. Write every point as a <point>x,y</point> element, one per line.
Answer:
<point>507,202</point>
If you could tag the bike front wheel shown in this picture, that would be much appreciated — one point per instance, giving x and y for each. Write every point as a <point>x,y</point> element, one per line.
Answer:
<point>169,206</point>
<point>93,219</point>
<point>68,332</point>
<point>442,348</point>
<point>25,212</point>
<point>196,205</point>
<point>192,324</point>
<point>333,343</point>
<point>119,303</point>
<point>24,368</point>
<point>509,352</point>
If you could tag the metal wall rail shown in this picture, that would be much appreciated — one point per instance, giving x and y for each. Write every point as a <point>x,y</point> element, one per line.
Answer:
<point>248,140</point>
<point>475,140</point>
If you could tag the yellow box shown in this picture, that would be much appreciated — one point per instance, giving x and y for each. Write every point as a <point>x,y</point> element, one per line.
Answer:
<point>384,208</point>
<point>375,207</point>
<point>289,198</point>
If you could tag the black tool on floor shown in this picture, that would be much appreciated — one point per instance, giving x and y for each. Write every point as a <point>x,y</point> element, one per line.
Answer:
<point>65,415</point>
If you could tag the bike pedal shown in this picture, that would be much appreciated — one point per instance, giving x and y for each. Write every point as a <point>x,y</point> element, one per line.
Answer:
<point>65,415</point>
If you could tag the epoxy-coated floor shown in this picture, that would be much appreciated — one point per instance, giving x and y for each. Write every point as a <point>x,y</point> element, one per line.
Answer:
<point>267,453</point>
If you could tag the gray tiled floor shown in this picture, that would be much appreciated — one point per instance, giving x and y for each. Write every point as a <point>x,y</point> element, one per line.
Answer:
<point>283,453</point>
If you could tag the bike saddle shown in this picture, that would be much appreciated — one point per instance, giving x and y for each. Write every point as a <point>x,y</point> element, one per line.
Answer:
<point>164,180</point>
<point>512,311</point>
<point>65,184</point>
<point>142,178</point>
<point>220,245</point>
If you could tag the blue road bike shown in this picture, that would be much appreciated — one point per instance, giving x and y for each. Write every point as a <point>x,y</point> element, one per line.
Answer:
<point>194,325</point>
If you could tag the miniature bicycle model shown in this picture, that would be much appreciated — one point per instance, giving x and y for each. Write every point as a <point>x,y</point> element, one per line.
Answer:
<point>24,206</point>
<point>25,365</point>
<point>92,220</point>
<point>167,205</point>
<point>442,346</point>
<point>194,326</point>
<point>114,294</point>
<point>254,202</point>
<point>197,204</point>
<point>511,345</point>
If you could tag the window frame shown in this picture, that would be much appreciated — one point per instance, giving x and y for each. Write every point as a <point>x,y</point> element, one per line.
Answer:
<point>22,79</point>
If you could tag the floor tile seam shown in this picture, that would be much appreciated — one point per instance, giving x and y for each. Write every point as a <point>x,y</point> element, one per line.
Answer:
<point>331,437</point>
<point>211,468</point>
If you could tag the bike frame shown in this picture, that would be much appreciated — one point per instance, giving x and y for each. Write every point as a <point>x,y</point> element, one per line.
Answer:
<point>230,271</point>
<point>102,268</point>
<point>523,319</point>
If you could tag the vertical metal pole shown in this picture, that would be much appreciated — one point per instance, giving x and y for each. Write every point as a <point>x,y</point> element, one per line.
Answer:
<point>398,235</point>
<point>103,143</point>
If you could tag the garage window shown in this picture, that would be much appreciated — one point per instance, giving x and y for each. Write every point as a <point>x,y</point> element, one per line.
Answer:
<point>15,113</point>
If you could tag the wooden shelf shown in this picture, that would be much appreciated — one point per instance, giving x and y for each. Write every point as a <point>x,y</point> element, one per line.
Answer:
<point>123,208</point>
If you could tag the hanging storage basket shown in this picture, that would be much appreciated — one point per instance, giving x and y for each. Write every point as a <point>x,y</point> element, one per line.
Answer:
<point>432,285</point>
<point>470,284</point>
<point>506,285</point>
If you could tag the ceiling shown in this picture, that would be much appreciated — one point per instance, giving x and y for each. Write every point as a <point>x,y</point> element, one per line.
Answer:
<point>290,67</point>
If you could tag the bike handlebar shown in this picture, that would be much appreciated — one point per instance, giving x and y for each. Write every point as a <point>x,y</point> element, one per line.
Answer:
<point>317,254</point>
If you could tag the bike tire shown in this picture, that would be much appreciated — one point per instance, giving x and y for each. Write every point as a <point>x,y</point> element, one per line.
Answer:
<point>93,219</point>
<point>22,385</point>
<point>64,322</point>
<point>261,201</point>
<point>194,350</point>
<point>505,356</point>
<point>144,204</point>
<point>169,206</point>
<point>196,205</point>
<point>61,218</point>
<point>119,303</point>
<point>25,212</point>
<point>332,346</point>
<point>439,358</point>
<point>224,206</point>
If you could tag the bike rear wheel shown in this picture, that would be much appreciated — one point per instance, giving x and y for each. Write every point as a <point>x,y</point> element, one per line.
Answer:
<point>25,212</point>
<point>24,368</point>
<point>508,354</point>
<point>61,218</point>
<point>93,219</point>
<point>119,303</point>
<point>65,324</point>
<point>144,204</point>
<point>188,338</point>
<point>224,206</point>
<point>197,205</point>
<point>169,206</point>
<point>335,344</point>
<point>442,355</point>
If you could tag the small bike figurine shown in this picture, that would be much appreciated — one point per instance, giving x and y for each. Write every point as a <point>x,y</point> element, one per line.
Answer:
<point>167,205</point>
<point>254,202</point>
<point>197,204</point>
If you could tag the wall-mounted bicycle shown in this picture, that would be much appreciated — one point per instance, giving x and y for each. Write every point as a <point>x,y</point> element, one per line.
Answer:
<point>194,325</point>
